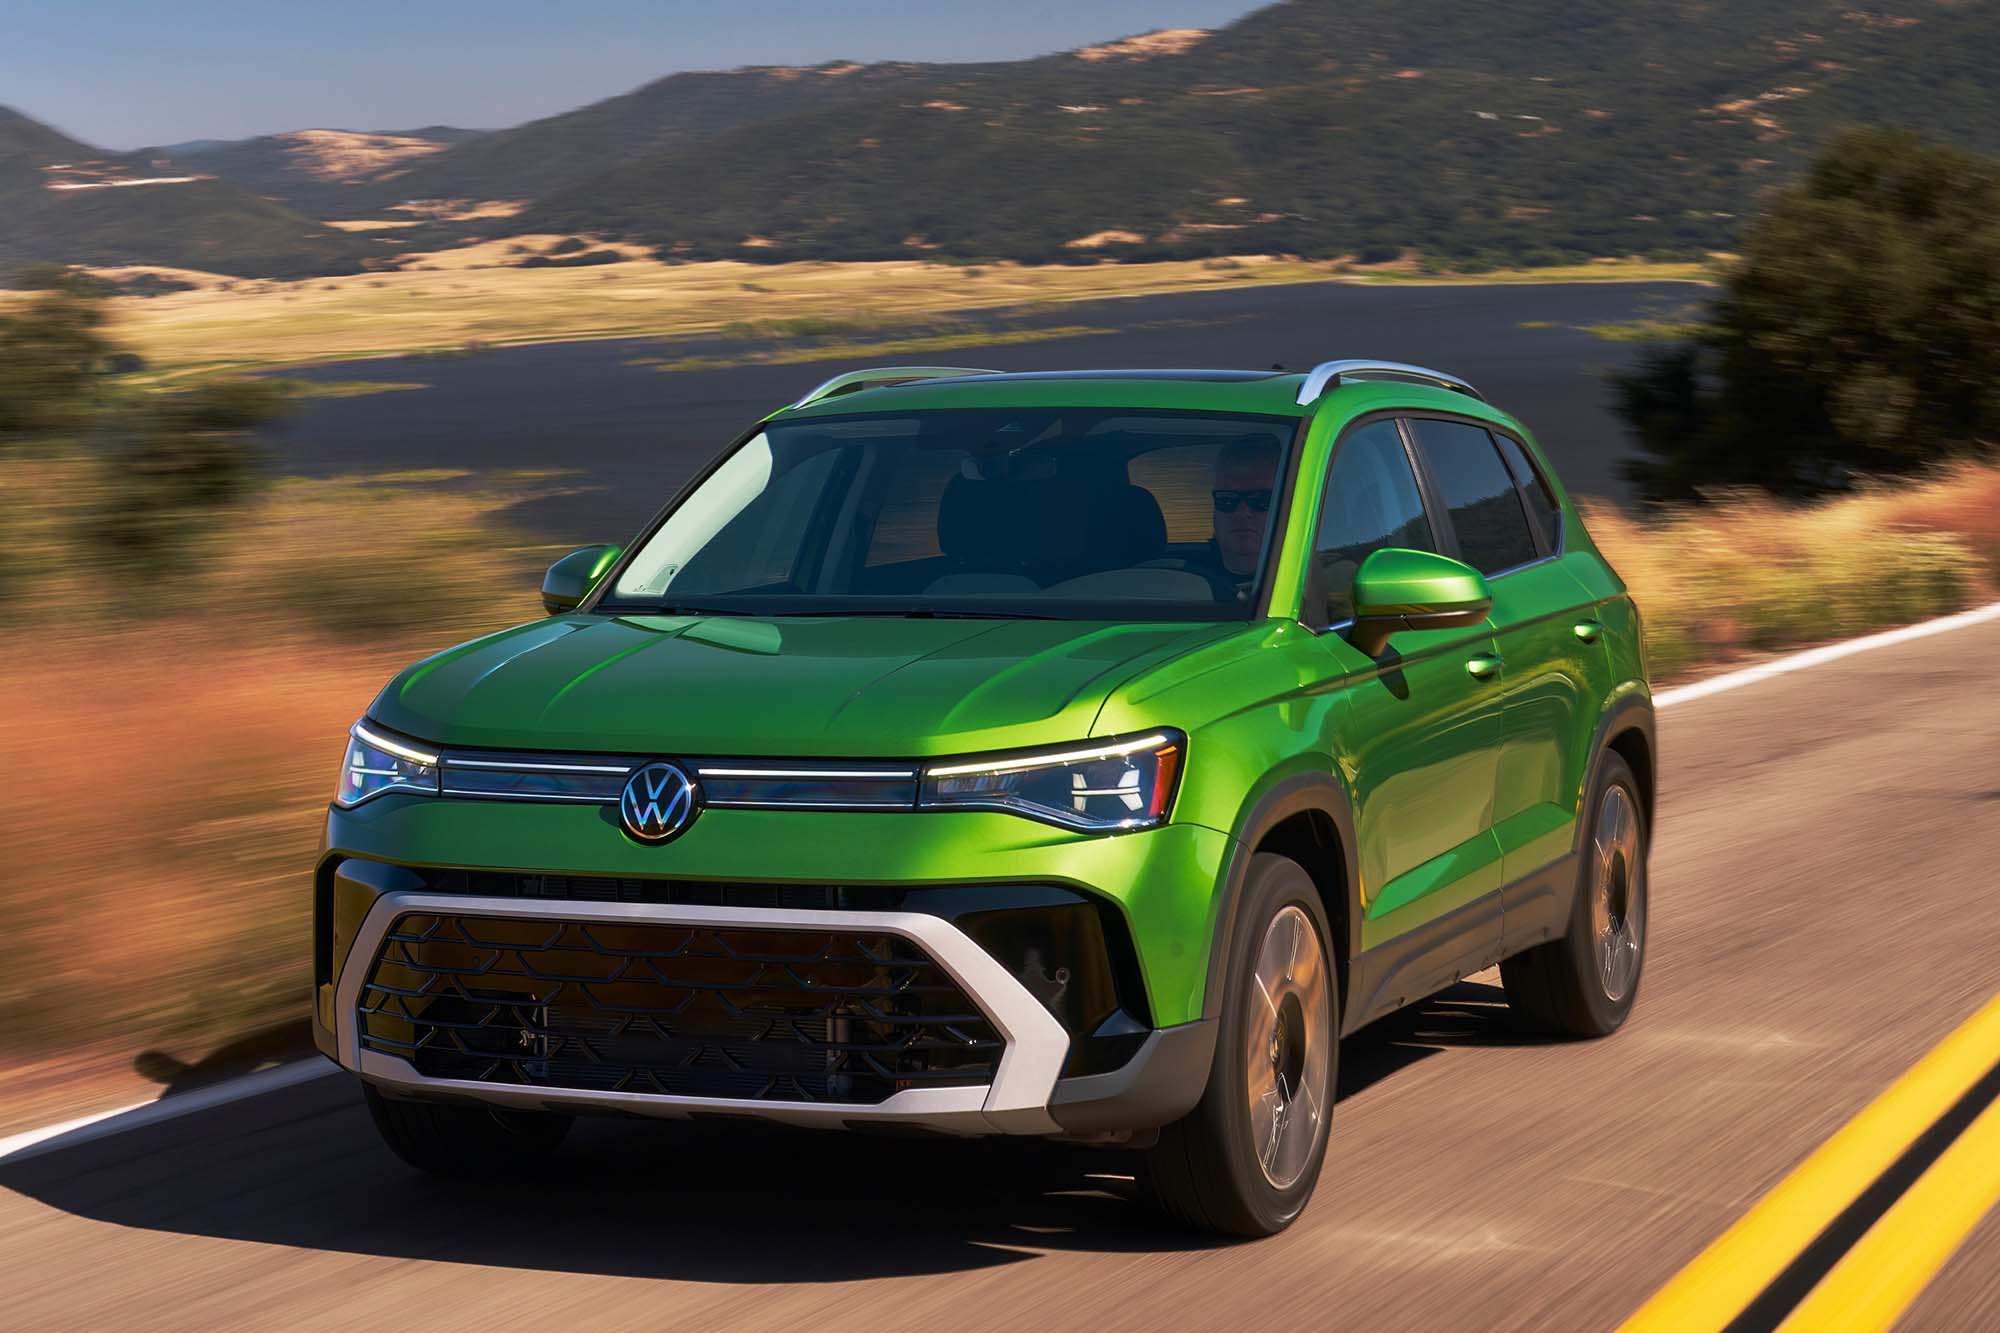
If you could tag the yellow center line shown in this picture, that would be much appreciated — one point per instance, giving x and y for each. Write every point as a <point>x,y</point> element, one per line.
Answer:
<point>1727,1276</point>
<point>1877,1279</point>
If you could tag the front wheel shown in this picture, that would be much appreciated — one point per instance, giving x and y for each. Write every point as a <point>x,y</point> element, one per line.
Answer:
<point>1245,1160</point>
<point>1583,984</point>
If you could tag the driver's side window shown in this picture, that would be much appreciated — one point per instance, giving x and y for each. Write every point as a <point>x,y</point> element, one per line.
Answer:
<point>1371,501</point>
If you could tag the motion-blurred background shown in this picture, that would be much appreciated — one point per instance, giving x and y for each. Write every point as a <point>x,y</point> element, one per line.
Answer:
<point>283,406</point>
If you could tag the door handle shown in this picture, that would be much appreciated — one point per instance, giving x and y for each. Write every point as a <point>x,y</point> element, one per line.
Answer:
<point>1588,630</point>
<point>1484,666</point>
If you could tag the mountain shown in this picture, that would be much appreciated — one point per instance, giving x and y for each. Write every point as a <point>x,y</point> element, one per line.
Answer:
<point>23,140</point>
<point>316,171</point>
<point>66,202</point>
<point>1532,131</point>
<point>681,111</point>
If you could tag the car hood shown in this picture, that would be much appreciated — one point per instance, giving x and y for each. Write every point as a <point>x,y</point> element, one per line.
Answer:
<point>847,686</point>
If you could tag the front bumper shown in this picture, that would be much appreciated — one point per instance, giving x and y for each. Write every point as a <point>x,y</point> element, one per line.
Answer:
<point>1015,1102</point>
<point>1158,884</point>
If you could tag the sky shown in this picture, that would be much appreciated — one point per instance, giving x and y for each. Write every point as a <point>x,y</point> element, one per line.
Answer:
<point>125,74</point>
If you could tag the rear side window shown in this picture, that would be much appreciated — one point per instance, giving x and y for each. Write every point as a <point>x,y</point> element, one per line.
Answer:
<point>1371,502</point>
<point>1478,491</point>
<point>1541,501</point>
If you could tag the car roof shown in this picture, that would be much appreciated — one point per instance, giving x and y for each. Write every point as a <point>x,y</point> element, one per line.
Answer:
<point>1259,392</point>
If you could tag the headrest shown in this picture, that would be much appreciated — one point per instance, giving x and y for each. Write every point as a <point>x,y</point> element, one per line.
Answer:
<point>979,521</point>
<point>1136,529</point>
<point>1075,528</point>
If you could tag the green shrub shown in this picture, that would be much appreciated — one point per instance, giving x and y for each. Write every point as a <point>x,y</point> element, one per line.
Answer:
<point>1859,334</point>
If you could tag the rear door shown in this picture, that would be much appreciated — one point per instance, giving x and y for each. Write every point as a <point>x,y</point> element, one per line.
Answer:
<point>1507,525</point>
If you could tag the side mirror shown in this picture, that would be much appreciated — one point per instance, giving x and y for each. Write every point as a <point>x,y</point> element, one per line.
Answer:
<point>1397,589</point>
<point>571,578</point>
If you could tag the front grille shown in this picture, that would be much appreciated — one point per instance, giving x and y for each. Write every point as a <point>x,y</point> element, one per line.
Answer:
<point>629,889</point>
<point>783,1015</point>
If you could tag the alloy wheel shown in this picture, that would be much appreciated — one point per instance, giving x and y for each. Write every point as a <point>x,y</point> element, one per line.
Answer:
<point>1290,1039</point>
<point>1617,894</point>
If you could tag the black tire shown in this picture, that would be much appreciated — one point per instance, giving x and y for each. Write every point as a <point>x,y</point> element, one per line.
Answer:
<point>465,1141</point>
<point>1205,1171</point>
<point>1563,987</point>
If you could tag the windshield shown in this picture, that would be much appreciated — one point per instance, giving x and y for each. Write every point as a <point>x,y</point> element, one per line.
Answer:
<point>1075,513</point>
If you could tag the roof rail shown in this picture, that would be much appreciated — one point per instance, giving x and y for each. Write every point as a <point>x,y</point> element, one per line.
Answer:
<point>856,380</point>
<point>1336,373</point>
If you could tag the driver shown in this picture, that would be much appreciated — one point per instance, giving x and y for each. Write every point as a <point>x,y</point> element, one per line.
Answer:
<point>1246,471</point>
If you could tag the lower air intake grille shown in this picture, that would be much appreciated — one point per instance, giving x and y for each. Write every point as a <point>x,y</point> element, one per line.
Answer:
<point>692,1011</point>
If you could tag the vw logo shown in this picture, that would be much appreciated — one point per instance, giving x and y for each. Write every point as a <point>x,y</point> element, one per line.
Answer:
<point>659,802</point>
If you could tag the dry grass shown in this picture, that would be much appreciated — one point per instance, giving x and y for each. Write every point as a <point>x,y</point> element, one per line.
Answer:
<point>505,252</point>
<point>343,155</point>
<point>1750,574</point>
<point>448,299</point>
<point>194,277</point>
<point>472,296</point>
<point>170,908</point>
<point>1402,274</point>
<point>460,210</point>
<point>181,752</point>
<point>317,389</point>
<point>1146,46</point>
<point>1964,501</point>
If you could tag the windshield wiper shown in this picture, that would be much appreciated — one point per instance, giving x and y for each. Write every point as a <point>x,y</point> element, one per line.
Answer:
<point>672,609</point>
<point>920,613</point>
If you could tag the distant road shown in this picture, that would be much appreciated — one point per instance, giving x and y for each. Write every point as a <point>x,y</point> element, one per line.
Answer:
<point>642,432</point>
<point>1823,912</point>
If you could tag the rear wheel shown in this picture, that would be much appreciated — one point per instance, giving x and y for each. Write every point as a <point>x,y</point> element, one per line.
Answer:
<point>1583,984</point>
<point>1245,1160</point>
<point>464,1140</point>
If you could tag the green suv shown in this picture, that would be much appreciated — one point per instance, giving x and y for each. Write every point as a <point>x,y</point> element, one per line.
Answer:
<point>1077,754</point>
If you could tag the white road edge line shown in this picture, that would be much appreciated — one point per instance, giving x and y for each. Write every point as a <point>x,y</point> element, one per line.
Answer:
<point>1779,666</point>
<point>34,1141</point>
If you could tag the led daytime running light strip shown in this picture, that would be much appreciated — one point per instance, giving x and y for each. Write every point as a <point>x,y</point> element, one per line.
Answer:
<point>1156,741</point>
<point>498,766</point>
<point>810,774</point>
<point>397,748</point>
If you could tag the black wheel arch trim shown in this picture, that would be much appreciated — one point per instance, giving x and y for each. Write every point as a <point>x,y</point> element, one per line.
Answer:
<point>1313,791</point>
<point>1630,712</point>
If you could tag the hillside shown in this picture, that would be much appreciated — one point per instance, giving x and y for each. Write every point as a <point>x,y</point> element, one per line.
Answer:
<point>317,172</point>
<point>1537,132</point>
<point>680,111</point>
<point>67,202</point>
<point>1540,130</point>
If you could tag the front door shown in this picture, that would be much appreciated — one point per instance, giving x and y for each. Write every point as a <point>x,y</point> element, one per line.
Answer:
<point>1422,729</point>
<point>1507,526</point>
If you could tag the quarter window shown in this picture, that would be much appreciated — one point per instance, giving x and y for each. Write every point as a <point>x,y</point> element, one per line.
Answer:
<point>1478,491</point>
<point>1541,501</point>
<point>1371,502</point>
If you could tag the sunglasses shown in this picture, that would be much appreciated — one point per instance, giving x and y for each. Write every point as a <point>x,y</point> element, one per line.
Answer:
<point>1259,501</point>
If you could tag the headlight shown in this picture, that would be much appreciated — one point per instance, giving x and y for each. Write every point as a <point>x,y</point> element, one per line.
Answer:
<point>378,763</point>
<point>1103,787</point>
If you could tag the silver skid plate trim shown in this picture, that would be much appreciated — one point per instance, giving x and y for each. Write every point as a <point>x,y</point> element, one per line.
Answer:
<point>1016,1102</point>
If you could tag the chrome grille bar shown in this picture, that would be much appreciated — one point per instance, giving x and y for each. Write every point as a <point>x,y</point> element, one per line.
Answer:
<point>742,784</point>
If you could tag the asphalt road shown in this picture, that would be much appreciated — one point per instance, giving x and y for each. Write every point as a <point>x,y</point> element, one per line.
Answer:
<point>1823,912</point>
<point>633,434</point>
